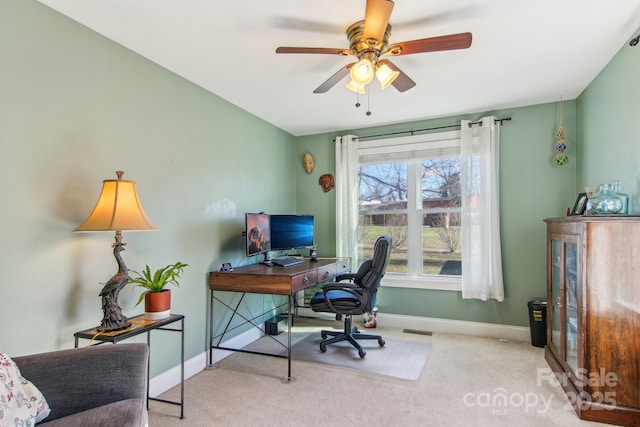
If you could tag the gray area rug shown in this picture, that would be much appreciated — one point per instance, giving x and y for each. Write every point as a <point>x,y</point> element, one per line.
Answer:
<point>398,358</point>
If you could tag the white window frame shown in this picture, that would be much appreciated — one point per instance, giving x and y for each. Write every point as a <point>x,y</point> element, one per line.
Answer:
<point>406,149</point>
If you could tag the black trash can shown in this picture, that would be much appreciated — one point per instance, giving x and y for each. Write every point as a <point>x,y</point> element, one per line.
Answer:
<point>538,322</point>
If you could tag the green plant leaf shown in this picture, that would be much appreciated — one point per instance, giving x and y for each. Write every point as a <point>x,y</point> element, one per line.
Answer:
<point>157,281</point>
<point>140,299</point>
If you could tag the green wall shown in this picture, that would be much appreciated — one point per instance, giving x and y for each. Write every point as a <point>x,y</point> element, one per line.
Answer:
<point>609,142</point>
<point>311,198</point>
<point>531,188</point>
<point>75,108</point>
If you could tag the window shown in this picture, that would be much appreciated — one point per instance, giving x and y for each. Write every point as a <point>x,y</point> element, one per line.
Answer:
<point>409,188</point>
<point>404,176</point>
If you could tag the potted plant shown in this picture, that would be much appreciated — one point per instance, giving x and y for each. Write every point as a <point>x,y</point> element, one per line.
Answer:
<point>157,299</point>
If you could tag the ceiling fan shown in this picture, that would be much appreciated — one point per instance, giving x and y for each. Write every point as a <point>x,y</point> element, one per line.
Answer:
<point>368,41</point>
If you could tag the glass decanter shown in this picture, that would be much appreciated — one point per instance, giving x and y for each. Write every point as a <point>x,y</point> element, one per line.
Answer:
<point>615,187</point>
<point>604,202</point>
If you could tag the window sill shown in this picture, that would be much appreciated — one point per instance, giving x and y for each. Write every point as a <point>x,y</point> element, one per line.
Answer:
<point>444,283</point>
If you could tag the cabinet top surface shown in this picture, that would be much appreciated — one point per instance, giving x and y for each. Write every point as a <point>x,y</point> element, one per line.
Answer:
<point>595,218</point>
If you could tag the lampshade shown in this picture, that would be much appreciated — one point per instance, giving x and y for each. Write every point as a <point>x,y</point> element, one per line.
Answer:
<point>355,87</point>
<point>362,73</point>
<point>117,209</point>
<point>386,75</point>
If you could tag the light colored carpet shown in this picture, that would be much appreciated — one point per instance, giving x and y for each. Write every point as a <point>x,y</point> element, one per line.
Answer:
<point>461,385</point>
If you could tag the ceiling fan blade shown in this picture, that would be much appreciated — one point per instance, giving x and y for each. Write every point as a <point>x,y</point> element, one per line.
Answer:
<point>376,19</point>
<point>403,82</point>
<point>432,44</point>
<point>313,50</point>
<point>333,80</point>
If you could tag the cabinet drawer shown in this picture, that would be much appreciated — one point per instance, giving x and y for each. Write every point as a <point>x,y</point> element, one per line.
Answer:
<point>326,273</point>
<point>343,266</point>
<point>304,280</point>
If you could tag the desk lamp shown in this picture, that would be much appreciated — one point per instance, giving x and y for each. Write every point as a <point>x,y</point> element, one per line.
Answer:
<point>117,209</point>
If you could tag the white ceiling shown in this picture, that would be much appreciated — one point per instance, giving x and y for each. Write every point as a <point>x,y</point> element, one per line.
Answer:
<point>523,52</point>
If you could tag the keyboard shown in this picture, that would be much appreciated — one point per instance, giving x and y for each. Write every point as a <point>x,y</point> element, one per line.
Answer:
<point>286,261</point>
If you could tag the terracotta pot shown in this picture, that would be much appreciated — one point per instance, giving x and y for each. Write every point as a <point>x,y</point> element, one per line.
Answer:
<point>157,305</point>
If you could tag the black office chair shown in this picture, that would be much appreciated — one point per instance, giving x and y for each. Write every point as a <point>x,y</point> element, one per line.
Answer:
<point>356,297</point>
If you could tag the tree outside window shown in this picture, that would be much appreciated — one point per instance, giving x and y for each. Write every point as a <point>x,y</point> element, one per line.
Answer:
<point>417,203</point>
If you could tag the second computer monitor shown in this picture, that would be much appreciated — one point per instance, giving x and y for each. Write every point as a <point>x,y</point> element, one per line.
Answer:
<point>292,231</point>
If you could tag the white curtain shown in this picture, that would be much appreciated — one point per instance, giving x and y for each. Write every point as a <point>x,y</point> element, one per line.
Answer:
<point>481,252</point>
<point>346,184</point>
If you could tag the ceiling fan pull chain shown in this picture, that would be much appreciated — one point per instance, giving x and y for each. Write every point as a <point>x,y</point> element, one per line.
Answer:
<point>368,103</point>
<point>358,98</point>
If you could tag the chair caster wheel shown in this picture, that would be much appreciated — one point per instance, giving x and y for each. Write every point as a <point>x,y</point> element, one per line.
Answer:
<point>381,342</point>
<point>362,354</point>
<point>323,348</point>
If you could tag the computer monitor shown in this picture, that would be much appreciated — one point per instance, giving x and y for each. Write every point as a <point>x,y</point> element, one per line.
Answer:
<point>292,231</point>
<point>257,233</point>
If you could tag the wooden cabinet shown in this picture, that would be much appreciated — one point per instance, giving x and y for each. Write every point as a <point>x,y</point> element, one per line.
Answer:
<point>593,314</point>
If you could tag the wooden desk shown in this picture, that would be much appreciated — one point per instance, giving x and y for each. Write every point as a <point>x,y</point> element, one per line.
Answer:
<point>262,279</point>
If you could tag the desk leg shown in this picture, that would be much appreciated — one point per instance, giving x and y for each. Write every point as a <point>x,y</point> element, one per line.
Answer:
<point>148,365</point>
<point>289,322</point>
<point>157,399</point>
<point>211,330</point>
<point>182,371</point>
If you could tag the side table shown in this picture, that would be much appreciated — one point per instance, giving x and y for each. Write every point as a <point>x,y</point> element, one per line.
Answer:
<point>140,325</point>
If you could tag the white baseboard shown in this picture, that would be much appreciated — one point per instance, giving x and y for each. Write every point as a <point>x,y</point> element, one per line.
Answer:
<point>431,324</point>
<point>448,326</point>
<point>171,378</point>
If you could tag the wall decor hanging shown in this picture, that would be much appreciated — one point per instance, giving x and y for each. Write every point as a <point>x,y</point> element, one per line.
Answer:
<point>326,181</point>
<point>561,158</point>
<point>308,163</point>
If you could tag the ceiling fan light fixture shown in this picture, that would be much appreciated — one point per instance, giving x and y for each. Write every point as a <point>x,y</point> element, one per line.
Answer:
<point>369,41</point>
<point>356,87</point>
<point>386,75</point>
<point>362,73</point>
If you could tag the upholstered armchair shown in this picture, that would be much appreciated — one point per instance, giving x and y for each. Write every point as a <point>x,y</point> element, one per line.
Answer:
<point>101,385</point>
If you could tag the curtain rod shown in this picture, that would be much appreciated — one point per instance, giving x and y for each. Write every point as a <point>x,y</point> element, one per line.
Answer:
<point>412,132</point>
